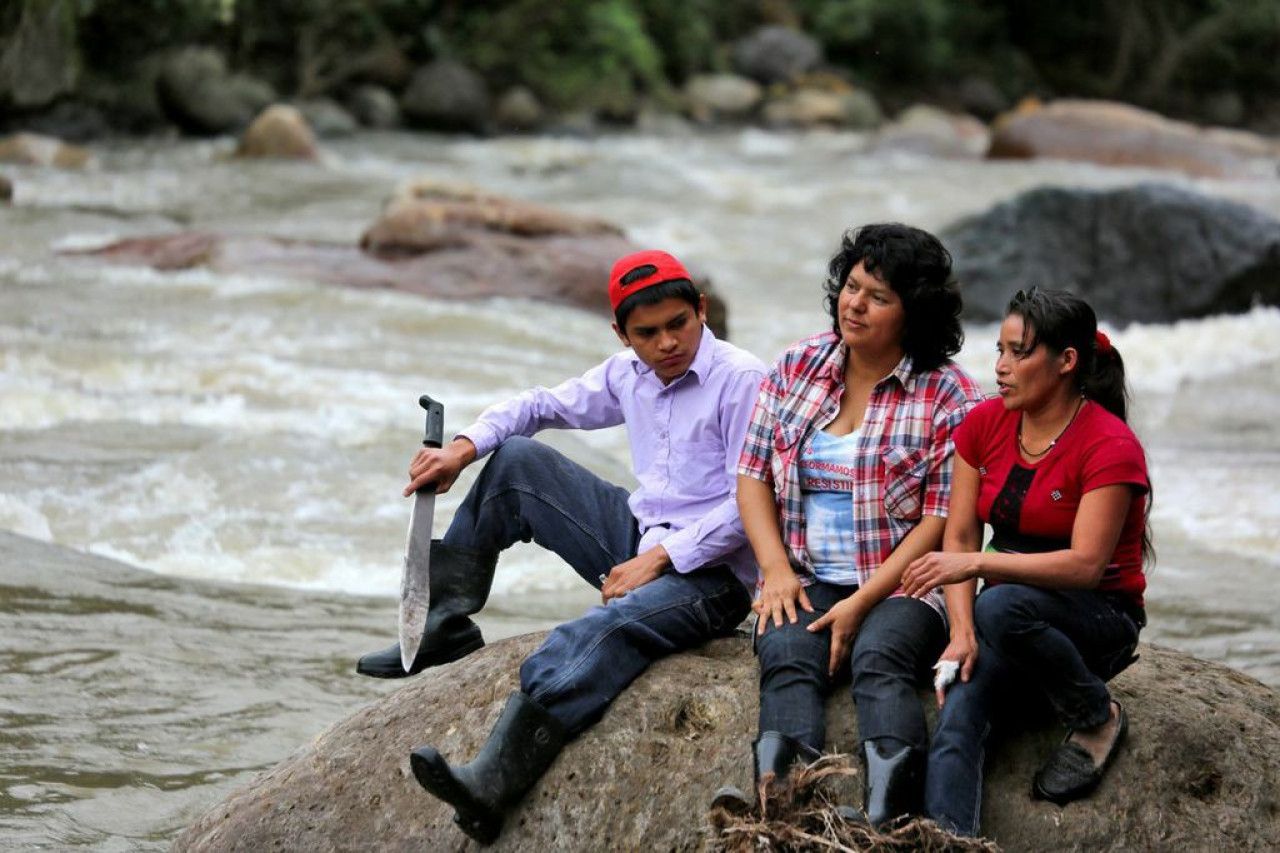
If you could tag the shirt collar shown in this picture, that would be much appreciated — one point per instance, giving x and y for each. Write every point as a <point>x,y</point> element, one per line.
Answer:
<point>902,371</point>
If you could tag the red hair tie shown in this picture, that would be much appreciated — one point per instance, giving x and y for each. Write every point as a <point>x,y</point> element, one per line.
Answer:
<point>1102,343</point>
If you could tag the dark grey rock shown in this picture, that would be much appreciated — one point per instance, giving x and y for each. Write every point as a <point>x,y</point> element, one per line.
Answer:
<point>446,95</point>
<point>327,118</point>
<point>1200,771</point>
<point>198,94</point>
<point>776,54</point>
<point>39,61</point>
<point>1150,253</point>
<point>519,110</point>
<point>374,106</point>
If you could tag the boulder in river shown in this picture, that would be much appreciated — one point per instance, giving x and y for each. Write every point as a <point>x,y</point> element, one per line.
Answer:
<point>1151,253</point>
<point>435,239</point>
<point>199,94</point>
<point>776,53</point>
<point>1200,771</point>
<point>280,132</point>
<point>447,95</point>
<point>33,149</point>
<point>1116,134</point>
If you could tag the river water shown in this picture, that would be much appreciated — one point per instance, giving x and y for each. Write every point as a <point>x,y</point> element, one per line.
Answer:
<point>227,431</point>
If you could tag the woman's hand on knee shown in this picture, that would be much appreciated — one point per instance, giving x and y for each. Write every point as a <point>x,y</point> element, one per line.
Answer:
<point>778,599</point>
<point>844,620</point>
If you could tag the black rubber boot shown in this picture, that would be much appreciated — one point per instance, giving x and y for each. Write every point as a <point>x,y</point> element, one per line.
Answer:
<point>894,781</point>
<point>774,755</point>
<point>459,585</point>
<point>522,745</point>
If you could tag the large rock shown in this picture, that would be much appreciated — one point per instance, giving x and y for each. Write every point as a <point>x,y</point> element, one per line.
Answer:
<point>435,239</point>
<point>712,97</point>
<point>776,53</point>
<point>39,61</point>
<point>447,95</point>
<point>1201,770</point>
<point>1150,253</point>
<point>198,94</point>
<point>926,130</point>
<point>1121,135</point>
<point>281,132</point>
<point>33,149</point>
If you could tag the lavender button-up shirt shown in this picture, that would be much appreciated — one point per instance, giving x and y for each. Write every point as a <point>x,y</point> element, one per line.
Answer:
<point>685,437</point>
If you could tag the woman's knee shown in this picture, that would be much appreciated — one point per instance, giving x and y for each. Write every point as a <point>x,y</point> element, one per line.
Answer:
<point>1005,612</point>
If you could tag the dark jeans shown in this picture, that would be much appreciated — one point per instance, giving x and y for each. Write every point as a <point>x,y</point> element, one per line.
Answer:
<point>530,492</point>
<point>1064,643</point>
<point>895,646</point>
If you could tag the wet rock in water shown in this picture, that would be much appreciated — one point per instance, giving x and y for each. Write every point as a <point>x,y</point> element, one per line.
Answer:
<point>375,107</point>
<point>926,130</point>
<point>6,189</point>
<point>327,118</point>
<point>33,149</point>
<point>1115,134</point>
<point>198,94</point>
<point>717,97</point>
<point>519,111</point>
<point>1150,253</point>
<point>435,239</point>
<point>280,132</point>
<point>428,215</point>
<point>1200,771</point>
<point>446,95</point>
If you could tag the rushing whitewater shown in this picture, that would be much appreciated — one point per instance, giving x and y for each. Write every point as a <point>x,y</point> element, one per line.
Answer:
<point>255,429</point>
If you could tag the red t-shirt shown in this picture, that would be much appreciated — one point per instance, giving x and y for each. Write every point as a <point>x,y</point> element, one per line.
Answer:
<point>1032,507</point>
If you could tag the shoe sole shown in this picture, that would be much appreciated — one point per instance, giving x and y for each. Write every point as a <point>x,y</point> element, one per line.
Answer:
<point>471,816</point>
<point>456,653</point>
<point>1061,798</point>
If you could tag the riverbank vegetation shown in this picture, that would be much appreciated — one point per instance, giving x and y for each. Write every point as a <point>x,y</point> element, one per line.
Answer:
<point>94,63</point>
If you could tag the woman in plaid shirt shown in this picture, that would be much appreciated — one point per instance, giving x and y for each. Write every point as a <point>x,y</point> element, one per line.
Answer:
<point>844,480</point>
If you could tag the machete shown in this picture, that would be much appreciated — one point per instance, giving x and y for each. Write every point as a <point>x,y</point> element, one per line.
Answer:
<point>415,596</point>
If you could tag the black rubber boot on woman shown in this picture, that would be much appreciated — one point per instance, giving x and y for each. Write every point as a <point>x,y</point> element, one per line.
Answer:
<point>459,585</point>
<point>893,780</point>
<point>522,745</point>
<point>774,755</point>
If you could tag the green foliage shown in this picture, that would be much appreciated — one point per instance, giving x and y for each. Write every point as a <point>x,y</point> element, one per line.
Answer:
<point>573,54</point>
<point>115,34</point>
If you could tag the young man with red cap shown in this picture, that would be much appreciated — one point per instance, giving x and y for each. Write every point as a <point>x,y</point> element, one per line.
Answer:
<point>671,559</point>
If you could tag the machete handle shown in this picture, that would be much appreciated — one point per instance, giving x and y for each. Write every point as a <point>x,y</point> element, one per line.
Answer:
<point>435,421</point>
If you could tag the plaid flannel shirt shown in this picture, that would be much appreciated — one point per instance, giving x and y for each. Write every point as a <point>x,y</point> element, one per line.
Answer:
<point>903,456</point>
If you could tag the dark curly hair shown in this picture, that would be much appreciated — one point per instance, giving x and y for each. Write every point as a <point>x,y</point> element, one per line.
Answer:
<point>918,268</point>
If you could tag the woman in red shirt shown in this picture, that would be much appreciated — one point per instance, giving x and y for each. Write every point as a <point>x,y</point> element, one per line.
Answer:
<point>1054,469</point>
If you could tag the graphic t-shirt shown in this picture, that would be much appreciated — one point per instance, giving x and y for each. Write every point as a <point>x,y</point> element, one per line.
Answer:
<point>827,476</point>
<point>1032,507</point>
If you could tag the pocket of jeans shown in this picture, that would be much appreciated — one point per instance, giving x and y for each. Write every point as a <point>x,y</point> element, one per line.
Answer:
<point>904,473</point>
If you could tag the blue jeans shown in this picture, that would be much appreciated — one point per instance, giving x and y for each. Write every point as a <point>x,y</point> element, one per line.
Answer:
<point>530,492</point>
<point>1065,643</point>
<point>894,648</point>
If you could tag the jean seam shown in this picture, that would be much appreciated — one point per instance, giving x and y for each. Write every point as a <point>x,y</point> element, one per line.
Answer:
<point>549,501</point>
<point>590,650</point>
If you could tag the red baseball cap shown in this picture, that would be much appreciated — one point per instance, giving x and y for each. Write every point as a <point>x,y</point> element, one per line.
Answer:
<point>641,270</point>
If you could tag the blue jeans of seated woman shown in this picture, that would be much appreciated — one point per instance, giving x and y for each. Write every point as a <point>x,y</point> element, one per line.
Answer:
<point>530,492</point>
<point>895,646</point>
<point>1065,644</point>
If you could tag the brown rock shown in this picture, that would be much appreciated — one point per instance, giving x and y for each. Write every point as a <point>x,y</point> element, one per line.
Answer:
<point>1115,134</point>
<point>6,189</point>
<point>1201,770</point>
<point>32,149</point>
<point>428,215</point>
<point>922,129</point>
<point>560,268</point>
<point>279,131</point>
